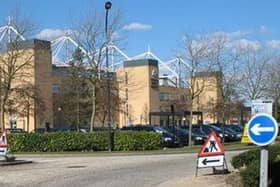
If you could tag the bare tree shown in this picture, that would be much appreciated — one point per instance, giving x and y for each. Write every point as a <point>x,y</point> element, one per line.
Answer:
<point>15,71</point>
<point>73,101</point>
<point>90,35</point>
<point>254,63</point>
<point>226,61</point>
<point>194,52</point>
<point>273,83</point>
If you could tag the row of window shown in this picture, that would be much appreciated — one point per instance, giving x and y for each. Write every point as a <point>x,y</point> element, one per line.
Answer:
<point>176,122</point>
<point>163,96</point>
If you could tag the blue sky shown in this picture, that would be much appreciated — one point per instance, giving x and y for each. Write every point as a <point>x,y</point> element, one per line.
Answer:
<point>161,24</point>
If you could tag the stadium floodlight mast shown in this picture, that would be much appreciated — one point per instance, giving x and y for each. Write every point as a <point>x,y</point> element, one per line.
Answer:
<point>8,30</point>
<point>108,6</point>
<point>57,46</point>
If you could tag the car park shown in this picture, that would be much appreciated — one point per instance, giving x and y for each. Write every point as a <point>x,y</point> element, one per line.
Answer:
<point>223,131</point>
<point>236,128</point>
<point>234,133</point>
<point>197,137</point>
<point>207,129</point>
<point>167,138</point>
<point>39,130</point>
<point>14,130</point>
<point>180,133</point>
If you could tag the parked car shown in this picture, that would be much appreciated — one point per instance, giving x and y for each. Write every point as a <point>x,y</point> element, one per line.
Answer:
<point>236,128</point>
<point>15,130</point>
<point>61,129</point>
<point>200,136</point>
<point>39,130</point>
<point>229,135</point>
<point>233,134</point>
<point>167,138</point>
<point>206,129</point>
<point>197,137</point>
<point>180,133</point>
<point>237,135</point>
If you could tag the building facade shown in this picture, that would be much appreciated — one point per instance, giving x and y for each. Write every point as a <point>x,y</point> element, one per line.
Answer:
<point>26,84</point>
<point>138,95</point>
<point>149,99</point>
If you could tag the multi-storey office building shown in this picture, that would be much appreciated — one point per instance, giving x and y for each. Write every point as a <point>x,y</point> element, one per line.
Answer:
<point>151,99</point>
<point>26,94</point>
<point>139,95</point>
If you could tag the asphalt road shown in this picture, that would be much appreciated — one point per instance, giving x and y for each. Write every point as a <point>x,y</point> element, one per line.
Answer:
<point>100,171</point>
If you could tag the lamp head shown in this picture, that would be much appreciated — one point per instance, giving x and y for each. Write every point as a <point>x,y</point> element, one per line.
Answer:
<point>108,5</point>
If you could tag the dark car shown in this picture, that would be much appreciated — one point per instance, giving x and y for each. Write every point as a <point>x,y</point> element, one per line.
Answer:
<point>167,138</point>
<point>200,136</point>
<point>15,130</point>
<point>61,129</point>
<point>233,135</point>
<point>236,128</point>
<point>223,131</point>
<point>207,129</point>
<point>39,130</point>
<point>237,135</point>
<point>178,132</point>
<point>197,137</point>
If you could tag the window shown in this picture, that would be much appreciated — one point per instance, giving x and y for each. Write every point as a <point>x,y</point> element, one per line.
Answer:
<point>126,94</point>
<point>126,78</point>
<point>183,99</point>
<point>55,88</point>
<point>164,96</point>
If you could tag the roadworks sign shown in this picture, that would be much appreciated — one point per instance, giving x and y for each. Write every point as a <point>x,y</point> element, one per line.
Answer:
<point>212,146</point>
<point>3,144</point>
<point>245,138</point>
<point>211,154</point>
<point>210,161</point>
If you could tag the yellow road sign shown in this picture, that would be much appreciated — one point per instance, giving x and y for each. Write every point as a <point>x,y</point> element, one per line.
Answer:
<point>245,139</point>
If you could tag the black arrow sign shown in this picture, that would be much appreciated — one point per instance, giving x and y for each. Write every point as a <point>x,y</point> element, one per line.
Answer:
<point>205,161</point>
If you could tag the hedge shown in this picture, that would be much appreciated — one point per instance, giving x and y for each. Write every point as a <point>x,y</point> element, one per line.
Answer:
<point>77,141</point>
<point>249,165</point>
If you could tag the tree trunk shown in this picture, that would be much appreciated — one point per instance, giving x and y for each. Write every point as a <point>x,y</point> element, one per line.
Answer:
<point>93,108</point>
<point>2,115</point>
<point>276,104</point>
<point>78,111</point>
<point>28,113</point>
<point>190,125</point>
<point>223,123</point>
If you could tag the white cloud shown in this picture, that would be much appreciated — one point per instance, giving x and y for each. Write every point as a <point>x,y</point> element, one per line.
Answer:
<point>137,26</point>
<point>115,36</point>
<point>238,33</point>
<point>273,43</point>
<point>246,44</point>
<point>50,34</point>
<point>231,35</point>
<point>264,29</point>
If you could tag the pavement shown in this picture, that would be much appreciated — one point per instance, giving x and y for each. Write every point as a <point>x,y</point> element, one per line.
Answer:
<point>205,180</point>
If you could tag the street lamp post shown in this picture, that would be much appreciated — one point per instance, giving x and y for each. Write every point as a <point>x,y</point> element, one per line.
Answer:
<point>173,120</point>
<point>108,6</point>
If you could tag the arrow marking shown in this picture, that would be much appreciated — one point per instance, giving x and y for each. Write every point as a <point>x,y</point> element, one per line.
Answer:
<point>205,161</point>
<point>256,129</point>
